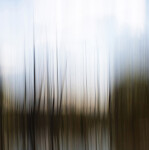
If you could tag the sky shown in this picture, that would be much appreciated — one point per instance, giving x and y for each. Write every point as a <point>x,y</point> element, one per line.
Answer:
<point>86,36</point>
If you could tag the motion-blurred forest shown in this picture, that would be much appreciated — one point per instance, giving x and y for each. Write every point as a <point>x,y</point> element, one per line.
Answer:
<point>74,75</point>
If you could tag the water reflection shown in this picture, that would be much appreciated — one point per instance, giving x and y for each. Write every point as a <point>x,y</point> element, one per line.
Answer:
<point>80,135</point>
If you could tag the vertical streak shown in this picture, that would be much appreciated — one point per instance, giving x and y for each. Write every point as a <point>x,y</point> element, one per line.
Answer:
<point>98,87</point>
<point>110,113</point>
<point>86,74</point>
<point>34,109</point>
<point>57,72</point>
<point>48,88</point>
<point>34,66</point>
<point>24,81</point>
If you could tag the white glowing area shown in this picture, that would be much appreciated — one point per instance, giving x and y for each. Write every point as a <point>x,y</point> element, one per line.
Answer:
<point>83,33</point>
<point>131,14</point>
